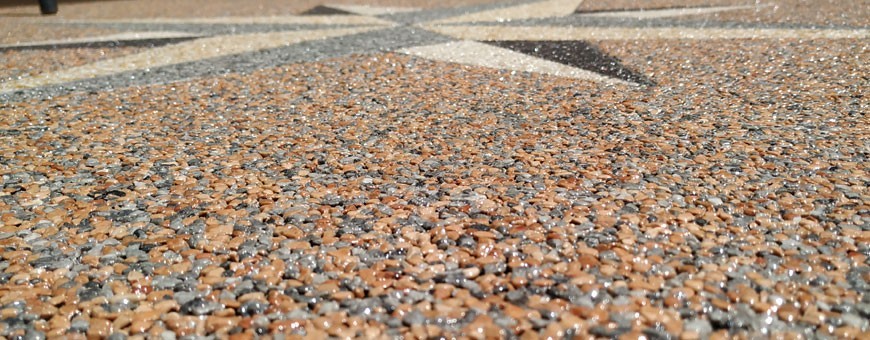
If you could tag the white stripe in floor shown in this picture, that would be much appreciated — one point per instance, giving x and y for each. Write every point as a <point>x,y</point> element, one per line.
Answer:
<point>670,12</point>
<point>629,33</point>
<point>480,54</point>
<point>264,20</point>
<point>543,9</point>
<point>187,51</point>
<point>127,36</point>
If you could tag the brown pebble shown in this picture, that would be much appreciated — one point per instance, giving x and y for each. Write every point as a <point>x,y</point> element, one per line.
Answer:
<point>99,328</point>
<point>788,313</point>
<point>607,270</point>
<point>482,328</point>
<point>690,335</point>
<point>585,262</point>
<point>694,284</point>
<point>8,313</point>
<point>140,326</point>
<point>59,323</point>
<point>213,324</point>
<point>122,321</point>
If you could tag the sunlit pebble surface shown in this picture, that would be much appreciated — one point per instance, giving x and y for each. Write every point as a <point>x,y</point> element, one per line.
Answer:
<point>615,5</point>
<point>14,31</point>
<point>211,8</point>
<point>384,195</point>
<point>820,13</point>
<point>17,64</point>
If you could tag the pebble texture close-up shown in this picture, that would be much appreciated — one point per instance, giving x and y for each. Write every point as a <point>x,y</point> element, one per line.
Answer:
<point>464,169</point>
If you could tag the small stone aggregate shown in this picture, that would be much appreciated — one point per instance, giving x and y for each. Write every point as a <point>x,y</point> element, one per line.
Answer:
<point>18,64</point>
<point>383,196</point>
<point>207,8</point>
<point>17,30</point>
<point>822,13</point>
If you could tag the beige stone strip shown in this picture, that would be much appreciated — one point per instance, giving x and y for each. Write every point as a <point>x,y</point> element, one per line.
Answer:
<point>480,54</point>
<point>543,9</point>
<point>127,36</point>
<point>287,20</point>
<point>372,10</point>
<point>671,12</point>
<point>179,53</point>
<point>627,33</point>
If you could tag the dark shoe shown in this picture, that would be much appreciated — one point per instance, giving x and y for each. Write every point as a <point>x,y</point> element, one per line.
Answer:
<point>48,6</point>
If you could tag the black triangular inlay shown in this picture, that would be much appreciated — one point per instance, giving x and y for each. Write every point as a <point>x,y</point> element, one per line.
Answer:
<point>325,10</point>
<point>575,53</point>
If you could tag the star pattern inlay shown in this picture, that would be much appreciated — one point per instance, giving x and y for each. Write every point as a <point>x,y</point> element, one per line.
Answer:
<point>548,37</point>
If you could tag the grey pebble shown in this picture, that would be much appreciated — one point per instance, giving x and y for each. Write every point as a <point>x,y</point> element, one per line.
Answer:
<point>167,335</point>
<point>328,307</point>
<point>700,326</point>
<point>117,336</point>
<point>718,318</point>
<point>495,268</point>
<point>253,307</point>
<point>414,318</point>
<point>165,282</point>
<point>863,308</point>
<point>299,314</point>
<point>466,241</point>
<point>854,320</point>
<point>623,319</point>
<point>657,334</point>
<point>608,332</point>
<point>184,297</point>
<point>608,255</point>
<point>539,323</point>
<point>33,334</point>
<point>516,296</point>
<point>199,306</point>
<point>79,325</point>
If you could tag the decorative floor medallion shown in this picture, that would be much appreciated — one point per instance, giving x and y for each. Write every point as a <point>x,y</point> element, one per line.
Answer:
<point>551,37</point>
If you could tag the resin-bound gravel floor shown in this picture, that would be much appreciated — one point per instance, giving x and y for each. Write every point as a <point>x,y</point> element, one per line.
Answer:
<point>720,191</point>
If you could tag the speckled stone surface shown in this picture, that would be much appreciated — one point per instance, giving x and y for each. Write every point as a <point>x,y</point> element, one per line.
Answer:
<point>31,62</point>
<point>367,192</point>
<point>17,30</point>
<point>113,9</point>
<point>784,12</point>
